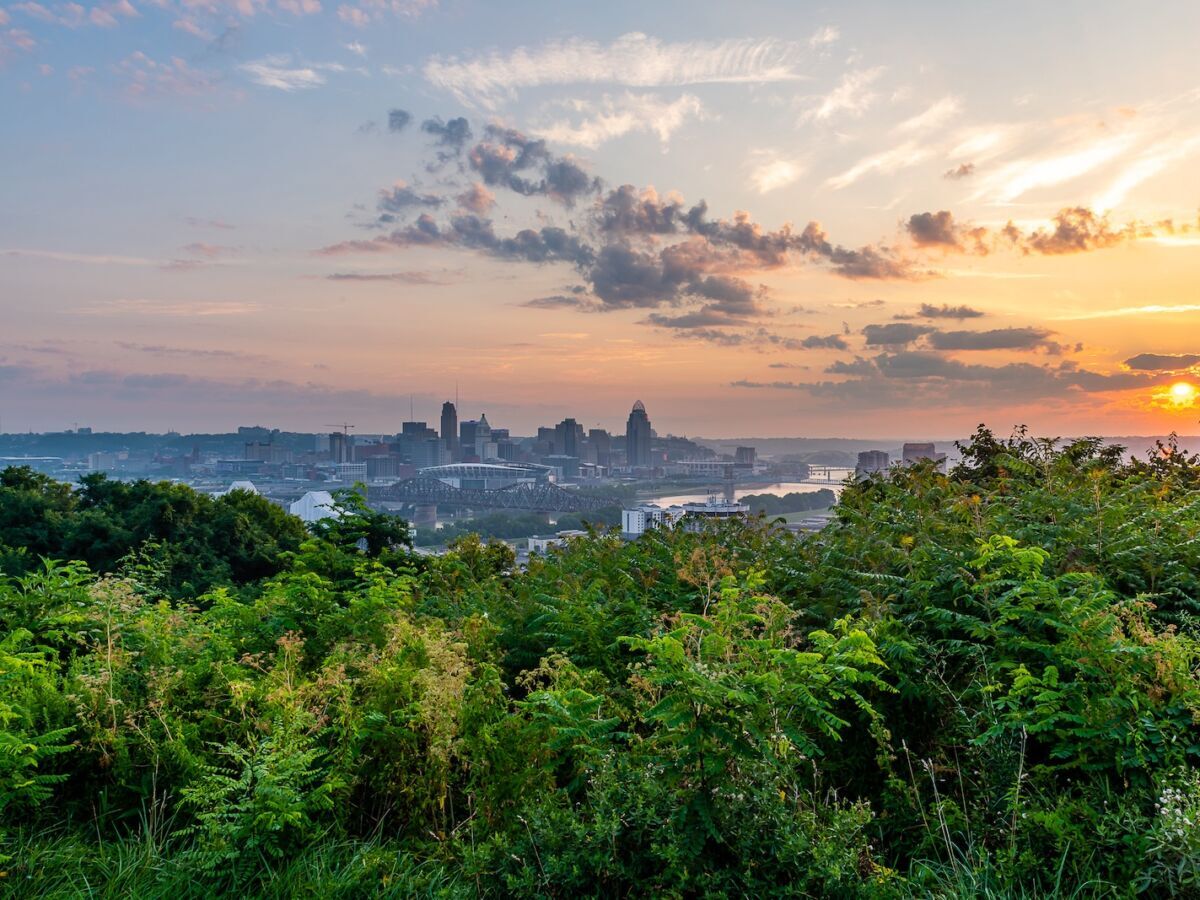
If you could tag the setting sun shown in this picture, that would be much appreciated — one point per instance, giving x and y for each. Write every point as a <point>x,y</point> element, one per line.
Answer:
<point>1183,393</point>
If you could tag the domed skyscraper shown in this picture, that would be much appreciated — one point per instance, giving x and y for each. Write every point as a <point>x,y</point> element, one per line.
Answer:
<point>637,437</point>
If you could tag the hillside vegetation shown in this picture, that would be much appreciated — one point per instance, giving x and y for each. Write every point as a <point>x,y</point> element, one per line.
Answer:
<point>981,684</point>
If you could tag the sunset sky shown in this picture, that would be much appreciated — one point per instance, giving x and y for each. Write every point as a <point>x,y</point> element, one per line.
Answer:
<point>853,219</point>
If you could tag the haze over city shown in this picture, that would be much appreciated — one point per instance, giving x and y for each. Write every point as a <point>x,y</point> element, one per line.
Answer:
<point>862,220</point>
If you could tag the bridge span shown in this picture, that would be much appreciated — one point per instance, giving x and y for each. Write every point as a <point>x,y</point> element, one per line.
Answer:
<point>539,497</point>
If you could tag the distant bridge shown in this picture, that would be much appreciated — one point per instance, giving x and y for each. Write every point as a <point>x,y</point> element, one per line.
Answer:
<point>540,497</point>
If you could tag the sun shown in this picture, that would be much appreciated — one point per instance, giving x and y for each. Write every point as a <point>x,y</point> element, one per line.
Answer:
<point>1183,393</point>
<point>1178,397</point>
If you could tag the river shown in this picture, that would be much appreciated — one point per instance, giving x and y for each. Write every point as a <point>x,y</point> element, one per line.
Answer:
<point>778,488</point>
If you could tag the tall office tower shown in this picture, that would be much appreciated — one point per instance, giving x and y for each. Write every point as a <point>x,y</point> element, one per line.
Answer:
<point>637,437</point>
<point>339,447</point>
<point>466,439</point>
<point>599,447</point>
<point>483,439</point>
<point>568,436</point>
<point>450,429</point>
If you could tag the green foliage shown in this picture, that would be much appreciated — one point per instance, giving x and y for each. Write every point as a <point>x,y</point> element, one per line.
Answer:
<point>985,683</point>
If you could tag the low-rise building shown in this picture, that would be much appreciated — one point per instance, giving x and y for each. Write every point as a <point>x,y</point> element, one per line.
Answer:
<point>541,543</point>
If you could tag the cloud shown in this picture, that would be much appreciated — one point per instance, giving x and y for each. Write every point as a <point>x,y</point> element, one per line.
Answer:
<point>894,334</point>
<point>758,338</point>
<point>358,50</point>
<point>904,156</point>
<point>959,172</point>
<point>94,259</point>
<point>414,277</point>
<point>945,311</point>
<point>1163,362</point>
<point>402,197</point>
<point>926,377</point>
<point>1072,230</point>
<point>279,73</point>
<point>1075,231</point>
<point>169,308</point>
<point>507,158</point>
<point>852,96</point>
<point>1087,154</point>
<point>209,251</point>
<point>352,15</point>
<point>146,78</point>
<point>823,37</point>
<point>577,299</point>
<point>199,353</point>
<point>934,116</point>
<point>1151,309</point>
<point>614,117</point>
<point>398,119</point>
<point>773,172</point>
<point>451,135</point>
<point>633,60</point>
<point>997,339</point>
<point>198,222</point>
<point>940,230</point>
<point>476,199</point>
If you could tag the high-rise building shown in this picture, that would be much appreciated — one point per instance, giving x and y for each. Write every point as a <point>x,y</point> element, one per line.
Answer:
<point>340,449</point>
<point>466,439</point>
<point>911,454</point>
<point>450,429</point>
<point>872,462</point>
<point>568,437</point>
<point>599,447</point>
<point>637,437</point>
<point>745,456</point>
<point>484,446</point>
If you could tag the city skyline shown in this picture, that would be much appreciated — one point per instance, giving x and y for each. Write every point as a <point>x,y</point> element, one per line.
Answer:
<point>859,221</point>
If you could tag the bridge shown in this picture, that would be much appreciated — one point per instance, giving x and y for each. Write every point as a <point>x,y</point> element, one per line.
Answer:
<point>539,497</point>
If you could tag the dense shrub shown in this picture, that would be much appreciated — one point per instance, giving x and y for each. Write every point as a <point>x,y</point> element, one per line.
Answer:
<point>982,683</point>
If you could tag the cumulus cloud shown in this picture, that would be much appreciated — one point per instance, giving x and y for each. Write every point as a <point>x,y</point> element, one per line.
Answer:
<point>923,376</point>
<point>1027,338</point>
<point>946,311</point>
<point>633,60</point>
<point>1163,362</point>
<point>402,197</point>
<point>959,172</point>
<point>509,158</point>
<point>894,334</point>
<point>452,134</point>
<point>398,119</point>
<point>477,199</point>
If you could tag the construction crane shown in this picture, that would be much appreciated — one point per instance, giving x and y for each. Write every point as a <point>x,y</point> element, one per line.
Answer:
<point>345,426</point>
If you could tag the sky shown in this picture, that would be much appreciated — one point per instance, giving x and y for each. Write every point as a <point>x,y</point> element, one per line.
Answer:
<point>770,219</point>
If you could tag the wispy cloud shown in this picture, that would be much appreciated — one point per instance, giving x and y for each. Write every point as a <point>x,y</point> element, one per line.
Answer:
<point>908,154</point>
<point>169,308</point>
<point>1151,309</point>
<point>852,96</point>
<point>773,171</point>
<point>614,117</point>
<point>936,115</point>
<point>635,60</point>
<point>94,259</point>
<point>280,73</point>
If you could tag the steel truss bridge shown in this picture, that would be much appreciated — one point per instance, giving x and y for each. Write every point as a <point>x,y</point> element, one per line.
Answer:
<point>540,497</point>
